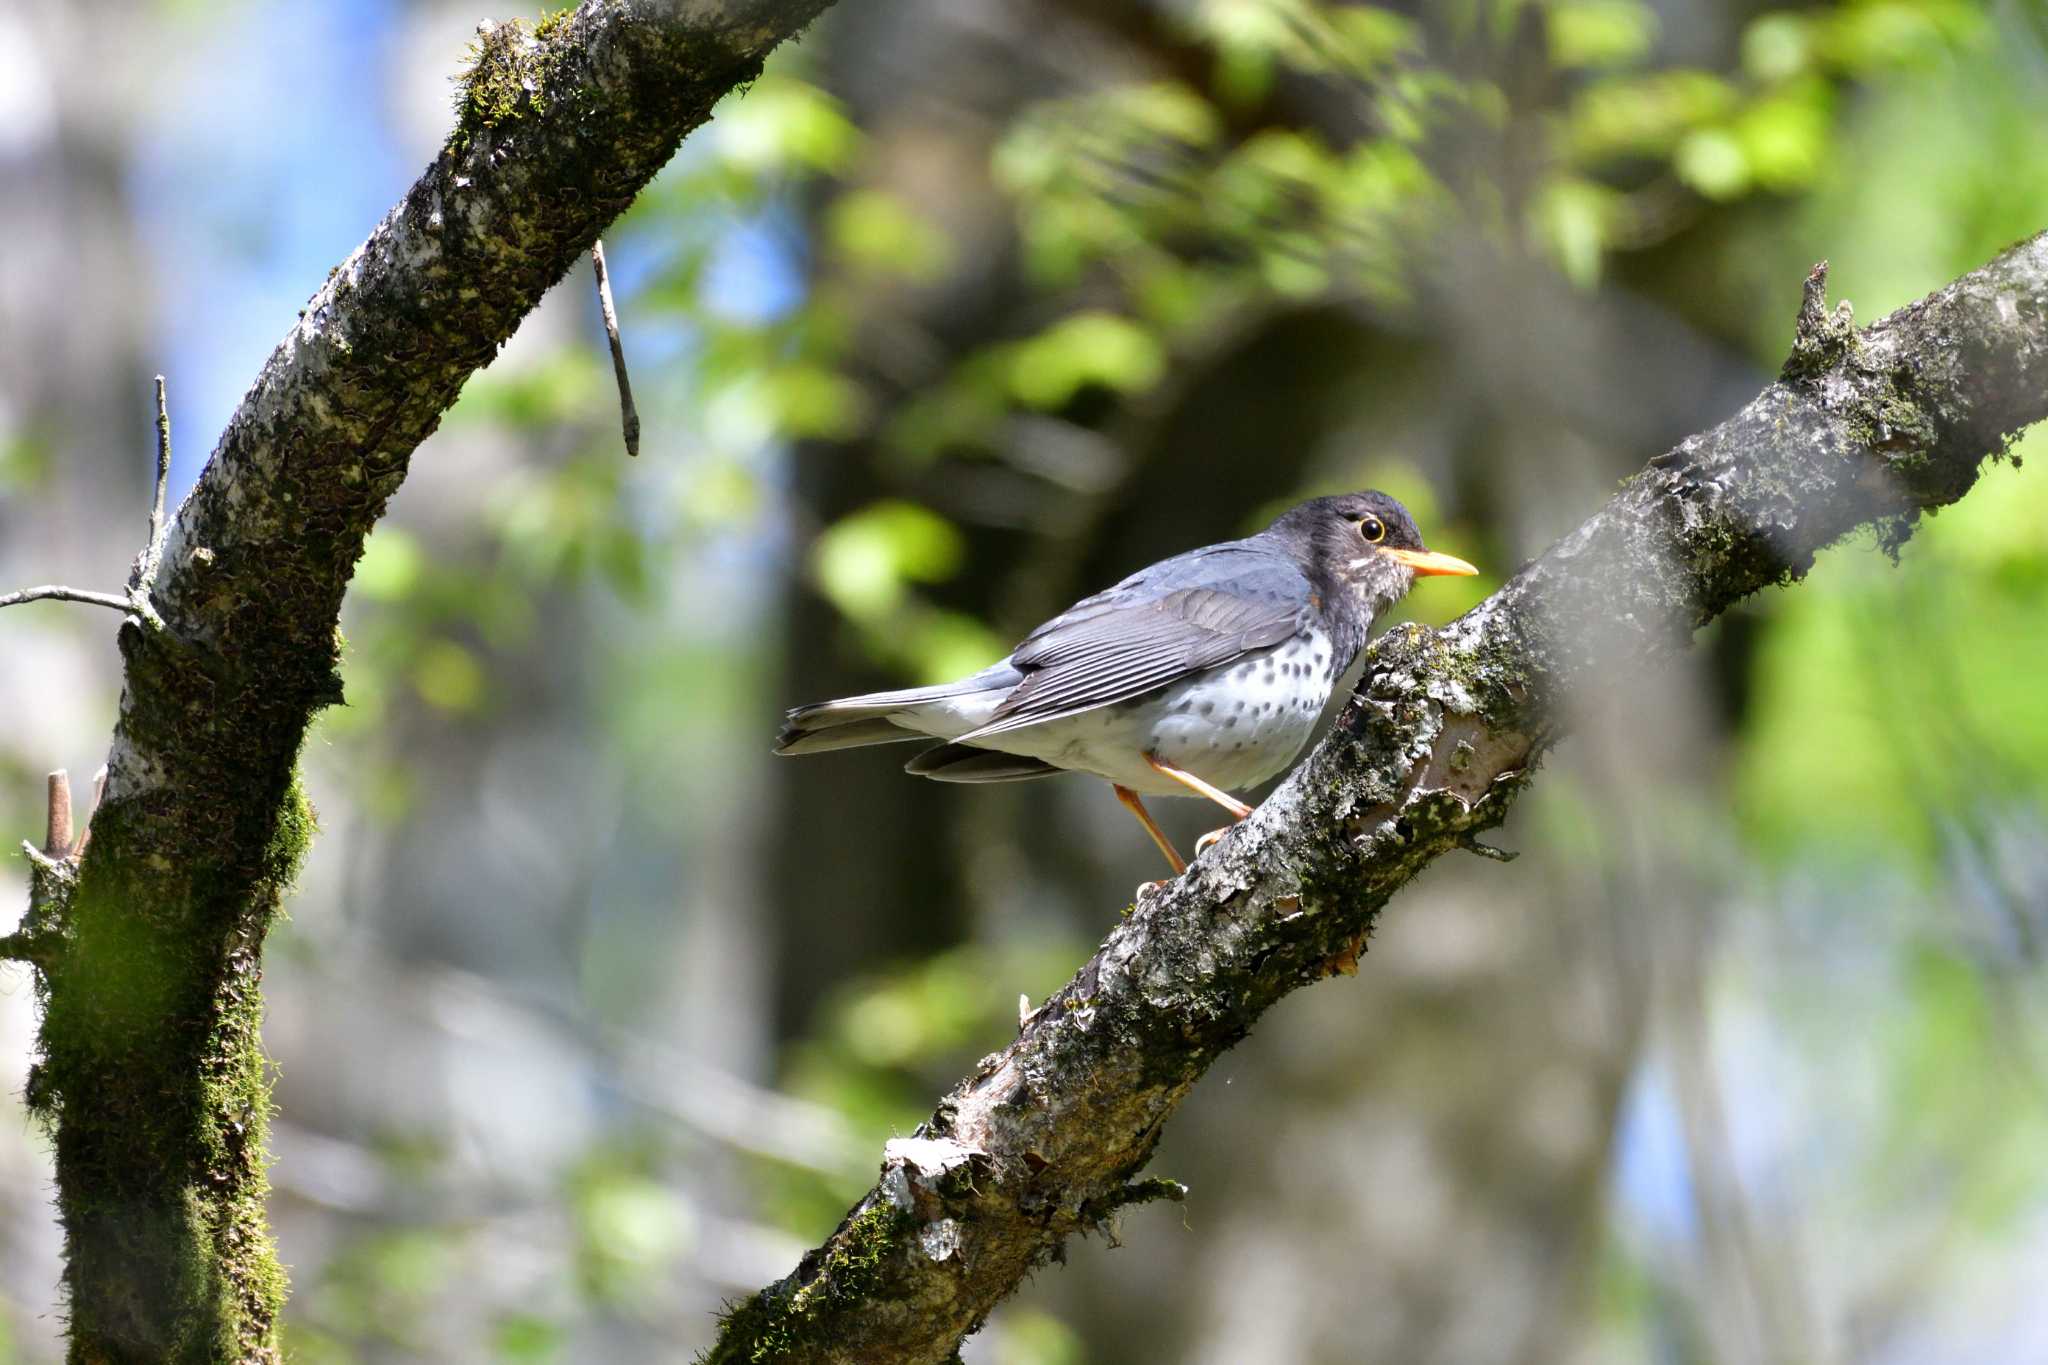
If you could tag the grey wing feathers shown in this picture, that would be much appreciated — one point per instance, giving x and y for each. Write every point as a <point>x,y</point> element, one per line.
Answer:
<point>1150,630</point>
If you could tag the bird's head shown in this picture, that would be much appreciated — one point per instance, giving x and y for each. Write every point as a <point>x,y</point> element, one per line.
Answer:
<point>1363,546</point>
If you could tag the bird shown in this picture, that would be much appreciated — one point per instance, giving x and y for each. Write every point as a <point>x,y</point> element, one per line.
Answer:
<point>1200,675</point>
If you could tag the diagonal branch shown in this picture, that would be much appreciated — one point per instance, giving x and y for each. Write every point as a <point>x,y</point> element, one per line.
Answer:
<point>152,1071</point>
<point>1044,1140</point>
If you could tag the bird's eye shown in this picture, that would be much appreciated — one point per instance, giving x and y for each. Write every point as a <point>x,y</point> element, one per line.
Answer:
<point>1373,529</point>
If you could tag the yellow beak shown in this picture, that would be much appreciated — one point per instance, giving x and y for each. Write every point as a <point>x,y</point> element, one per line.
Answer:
<point>1426,562</point>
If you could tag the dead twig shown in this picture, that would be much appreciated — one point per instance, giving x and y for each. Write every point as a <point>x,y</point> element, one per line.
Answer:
<point>629,416</point>
<point>141,578</point>
<point>51,592</point>
<point>57,831</point>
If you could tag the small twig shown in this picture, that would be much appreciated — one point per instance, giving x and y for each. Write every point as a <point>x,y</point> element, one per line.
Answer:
<point>155,550</point>
<point>50,592</point>
<point>142,577</point>
<point>57,830</point>
<point>629,416</point>
<point>1470,843</point>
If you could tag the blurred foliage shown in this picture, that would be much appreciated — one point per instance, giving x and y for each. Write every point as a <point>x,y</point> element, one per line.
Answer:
<point>885,1045</point>
<point>1310,156</point>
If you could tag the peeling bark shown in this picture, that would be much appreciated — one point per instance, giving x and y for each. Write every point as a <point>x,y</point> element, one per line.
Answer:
<point>1045,1139</point>
<point>150,947</point>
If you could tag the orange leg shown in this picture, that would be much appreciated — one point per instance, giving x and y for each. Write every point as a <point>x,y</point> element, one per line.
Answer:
<point>1137,808</point>
<point>1237,808</point>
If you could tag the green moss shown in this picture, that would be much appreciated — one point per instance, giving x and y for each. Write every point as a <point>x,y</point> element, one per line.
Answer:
<point>780,1320</point>
<point>156,1085</point>
<point>1145,1191</point>
<point>509,75</point>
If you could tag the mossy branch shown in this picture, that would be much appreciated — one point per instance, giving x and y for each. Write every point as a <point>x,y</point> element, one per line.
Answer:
<point>1869,428</point>
<point>149,949</point>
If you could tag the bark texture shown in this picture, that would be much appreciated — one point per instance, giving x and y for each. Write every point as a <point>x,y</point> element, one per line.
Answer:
<point>1047,1138</point>
<point>149,947</point>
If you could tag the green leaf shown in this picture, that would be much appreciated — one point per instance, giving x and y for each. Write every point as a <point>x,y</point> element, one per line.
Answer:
<point>391,565</point>
<point>782,123</point>
<point>527,1337</point>
<point>874,231</point>
<point>1571,217</point>
<point>866,561</point>
<point>1643,115</point>
<point>811,400</point>
<point>1712,161</point>
<point>448,676</point>
<point>1600,33</point>
<point>633,1228</point>
<point>1777,47</point>
<point>1785,137</point>
<point>1091,348</point>
<point>943,645</point>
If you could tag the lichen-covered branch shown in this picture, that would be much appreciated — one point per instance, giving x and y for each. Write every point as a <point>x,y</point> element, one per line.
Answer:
<point>149,948</point>
<point>1045,1139</point>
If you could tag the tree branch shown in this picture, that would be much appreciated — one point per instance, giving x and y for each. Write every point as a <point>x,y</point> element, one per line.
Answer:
<point>152,1071</point>
<point>1863,428</point>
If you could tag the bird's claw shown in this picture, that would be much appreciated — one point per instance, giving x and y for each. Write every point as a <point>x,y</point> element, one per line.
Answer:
<point>1208,841</point>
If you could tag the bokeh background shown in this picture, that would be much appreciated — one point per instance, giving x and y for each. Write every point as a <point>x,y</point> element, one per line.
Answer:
<point>590,1014</point>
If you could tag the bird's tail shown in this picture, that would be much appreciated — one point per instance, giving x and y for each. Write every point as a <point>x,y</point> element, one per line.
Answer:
<point>853,722</point>
<point>964,763</point>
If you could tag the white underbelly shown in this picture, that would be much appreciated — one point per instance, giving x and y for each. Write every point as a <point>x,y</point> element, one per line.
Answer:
<point>1233,727</point>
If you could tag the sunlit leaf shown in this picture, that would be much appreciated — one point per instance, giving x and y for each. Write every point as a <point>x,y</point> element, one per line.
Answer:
<point>1776,47</point>
<point>1573,216</point>
<point>1713,161</point>
<point>449,677</point>
<point>874,231</point>
<point>1784,138</point>
<point>780,122</point>
<point>1083,349</point>
<point>391,564</point>
<point>866,561</point>
<point>1600,33</point>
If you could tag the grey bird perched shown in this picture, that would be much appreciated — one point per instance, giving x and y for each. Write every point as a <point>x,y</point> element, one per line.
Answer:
<point>1203,673</point>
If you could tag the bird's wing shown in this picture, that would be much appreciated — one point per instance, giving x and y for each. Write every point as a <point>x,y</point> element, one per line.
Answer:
<point>1178,618</point>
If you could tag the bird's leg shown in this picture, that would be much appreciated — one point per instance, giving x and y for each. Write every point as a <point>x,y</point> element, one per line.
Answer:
<point>1237,809</point>
<point>1137,808</point>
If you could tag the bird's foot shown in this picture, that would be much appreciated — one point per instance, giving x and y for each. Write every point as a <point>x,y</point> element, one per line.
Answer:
<point>1208,841</point>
